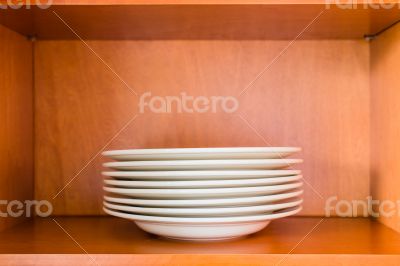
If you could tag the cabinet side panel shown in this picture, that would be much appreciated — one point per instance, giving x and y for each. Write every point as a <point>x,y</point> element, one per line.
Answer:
<point>385,124</point>
<point>16,116</point>
<point>315,96</point>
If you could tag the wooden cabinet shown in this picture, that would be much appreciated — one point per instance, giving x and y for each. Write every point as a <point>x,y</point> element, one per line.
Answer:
<point>305,73</point>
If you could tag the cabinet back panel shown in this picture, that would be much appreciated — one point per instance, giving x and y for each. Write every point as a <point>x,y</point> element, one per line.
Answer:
<point>385,121</point>
<point>316,95</point>
<point>16,118</point>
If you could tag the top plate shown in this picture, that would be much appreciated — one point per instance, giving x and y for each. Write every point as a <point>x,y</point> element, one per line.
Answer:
<point>201,153</point>
<point>203,164</point>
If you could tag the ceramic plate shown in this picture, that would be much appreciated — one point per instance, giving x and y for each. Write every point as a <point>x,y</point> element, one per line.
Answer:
<point>204,183</point>
<point>204,212</point>
<point>190,203</point>
<point>201,153</point>
<point>178,193</point>
<point>203,229</point>
<point>199,175</point>
<point>203,164</point>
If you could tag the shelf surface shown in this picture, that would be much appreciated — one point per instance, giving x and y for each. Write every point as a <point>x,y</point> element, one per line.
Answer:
<point>108,235</point>
<point>188,20</point>
<point>191,2</point>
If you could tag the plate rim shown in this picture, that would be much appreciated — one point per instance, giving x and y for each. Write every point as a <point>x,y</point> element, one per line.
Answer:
<point>202,162</point>
<point>206,182</point>
<point>201,173</point>
<point>155,151</point>
<point>203,211</point>
<point>201,191</point>
<point>204,220</point>
<point>199,202</point>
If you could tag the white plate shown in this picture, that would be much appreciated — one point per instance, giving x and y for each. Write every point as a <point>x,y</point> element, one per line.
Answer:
<point>203,183</point>
<point>201,153</point>
<point>204,212</point>
<point>179,193</point>
<point>189,203</point>
<point>203,229</point>
<point>203,164</point>
<point>199,175</point>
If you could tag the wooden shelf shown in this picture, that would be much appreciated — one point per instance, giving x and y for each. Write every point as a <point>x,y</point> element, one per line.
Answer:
<point>200,2</point>
<point>173,20</point>
<point>118,238</point>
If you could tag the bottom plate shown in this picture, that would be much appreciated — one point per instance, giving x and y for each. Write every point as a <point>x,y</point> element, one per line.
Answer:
<point>220,232</point>
<point>203,229</point>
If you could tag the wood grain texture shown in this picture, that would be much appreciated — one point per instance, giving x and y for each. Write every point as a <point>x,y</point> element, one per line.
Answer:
<point>109,235</point>
<point>316,96</point>
<point>320,104</point>
<point>16,118</point>
<point>385,121</point>
<point>244,21</point>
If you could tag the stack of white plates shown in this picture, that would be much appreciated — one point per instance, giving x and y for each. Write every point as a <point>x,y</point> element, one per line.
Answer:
<point>202,194</point>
